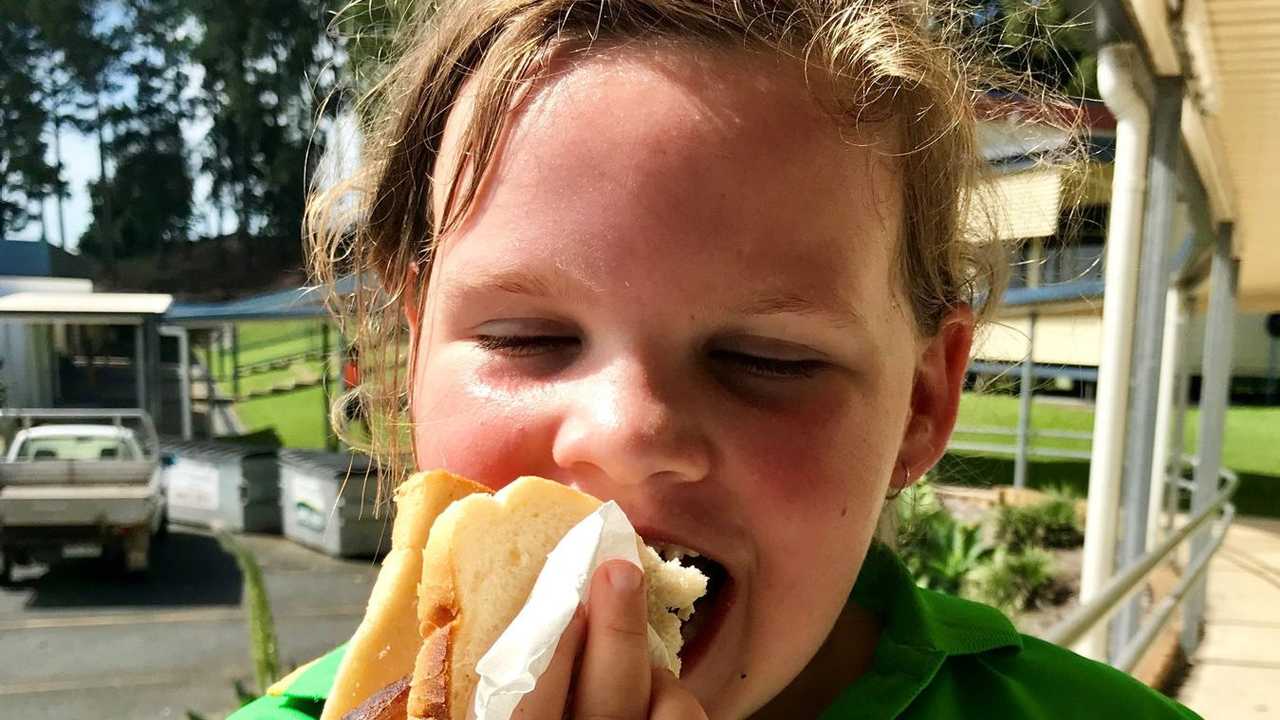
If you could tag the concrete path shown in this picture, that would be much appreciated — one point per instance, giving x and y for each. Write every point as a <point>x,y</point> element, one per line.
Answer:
<point>1235,673</point>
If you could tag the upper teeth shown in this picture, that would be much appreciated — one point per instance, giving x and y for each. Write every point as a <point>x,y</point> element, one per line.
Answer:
<point>672,551</point>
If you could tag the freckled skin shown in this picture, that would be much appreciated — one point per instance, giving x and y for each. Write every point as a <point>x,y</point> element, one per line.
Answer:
<point>658,192</point>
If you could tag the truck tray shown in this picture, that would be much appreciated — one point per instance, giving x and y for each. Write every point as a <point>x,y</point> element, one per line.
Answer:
<point>114,505</point>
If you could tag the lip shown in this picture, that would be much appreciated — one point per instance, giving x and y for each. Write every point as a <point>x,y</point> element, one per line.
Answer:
<point>653,535</point>
<point>692,654</point>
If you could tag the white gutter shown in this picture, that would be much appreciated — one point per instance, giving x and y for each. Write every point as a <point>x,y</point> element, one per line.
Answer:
<point>1118,67</point>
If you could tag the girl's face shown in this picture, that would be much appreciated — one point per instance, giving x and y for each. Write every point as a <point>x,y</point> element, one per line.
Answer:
<point>676,290</point>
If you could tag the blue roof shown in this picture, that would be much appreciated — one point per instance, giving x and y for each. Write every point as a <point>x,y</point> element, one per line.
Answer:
<point>28,258</point>
<point>308,302</point>
<point>1059,292</point>
<point>296,303</point>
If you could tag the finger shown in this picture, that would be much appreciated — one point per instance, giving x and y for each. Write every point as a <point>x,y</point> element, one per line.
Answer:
<point>671,701</point>
<point>614,679</point>
<point>549,696</point>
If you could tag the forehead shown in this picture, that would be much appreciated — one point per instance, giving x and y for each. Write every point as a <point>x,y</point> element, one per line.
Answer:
<point>692,151</point>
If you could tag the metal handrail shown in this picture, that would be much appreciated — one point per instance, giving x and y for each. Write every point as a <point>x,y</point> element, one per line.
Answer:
<point>1041,432</point>
<point>1161,613</point>
<point>1084,618</point>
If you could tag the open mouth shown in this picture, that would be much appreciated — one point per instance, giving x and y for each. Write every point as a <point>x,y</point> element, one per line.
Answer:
<point>700,627</point>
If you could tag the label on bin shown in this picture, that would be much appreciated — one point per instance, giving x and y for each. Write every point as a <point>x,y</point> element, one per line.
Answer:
<point>309,503</point>
<point>193,485</point>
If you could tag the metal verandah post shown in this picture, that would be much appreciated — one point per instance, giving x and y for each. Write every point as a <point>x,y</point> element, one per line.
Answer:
<point>1215,390</point>
<point>1166,458</point>
<point>1148,342</point>
<point>235,362</point>
<point>330,441</point>
<point>1027,382</point>
<point>208,384</point>
<point>1182,398</point>
<point>140,365</point>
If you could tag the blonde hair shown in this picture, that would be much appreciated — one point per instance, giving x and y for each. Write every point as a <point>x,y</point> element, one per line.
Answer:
<point>895,59</point>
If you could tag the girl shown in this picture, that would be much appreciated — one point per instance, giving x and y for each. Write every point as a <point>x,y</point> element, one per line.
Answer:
<point>709,259</point>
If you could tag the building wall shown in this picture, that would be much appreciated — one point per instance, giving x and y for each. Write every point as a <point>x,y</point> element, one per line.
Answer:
<point>1060,339</point>
<point>27,349</point>
<point>1076,339</point>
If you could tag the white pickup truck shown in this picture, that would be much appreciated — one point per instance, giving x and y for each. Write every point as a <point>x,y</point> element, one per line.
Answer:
<point>74,488</point>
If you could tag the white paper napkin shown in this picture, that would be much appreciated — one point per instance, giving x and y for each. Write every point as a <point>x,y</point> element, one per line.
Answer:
<point>517,659</point>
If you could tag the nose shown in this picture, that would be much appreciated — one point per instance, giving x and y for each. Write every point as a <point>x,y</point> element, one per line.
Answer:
<point>623,424</point>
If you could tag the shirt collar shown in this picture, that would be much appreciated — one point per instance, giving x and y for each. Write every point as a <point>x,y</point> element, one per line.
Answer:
<point>924,619</point>
<point>920,629</point>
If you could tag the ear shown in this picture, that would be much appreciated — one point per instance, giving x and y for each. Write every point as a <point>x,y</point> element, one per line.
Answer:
<point>411,305</point>
<point>935,396</point>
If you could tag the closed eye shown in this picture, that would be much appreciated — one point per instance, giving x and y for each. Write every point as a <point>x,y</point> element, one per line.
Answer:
<point>526,345</point>
<point>771,367</point>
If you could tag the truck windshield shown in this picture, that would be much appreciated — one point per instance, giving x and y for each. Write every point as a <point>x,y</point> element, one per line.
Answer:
<point>76,448</point>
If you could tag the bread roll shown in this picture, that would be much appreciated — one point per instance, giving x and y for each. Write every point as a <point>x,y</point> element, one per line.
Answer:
<point>385,645</point>
<point>480,564</point>
<point>462,564</point>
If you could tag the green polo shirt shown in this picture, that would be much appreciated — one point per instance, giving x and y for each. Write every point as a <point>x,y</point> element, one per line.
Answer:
<point>938,657</point>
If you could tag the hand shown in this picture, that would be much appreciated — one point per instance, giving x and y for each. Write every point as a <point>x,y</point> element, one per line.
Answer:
<point>601,668</point>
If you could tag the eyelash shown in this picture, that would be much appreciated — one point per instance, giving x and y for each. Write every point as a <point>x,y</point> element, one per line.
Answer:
<point>524,346</point>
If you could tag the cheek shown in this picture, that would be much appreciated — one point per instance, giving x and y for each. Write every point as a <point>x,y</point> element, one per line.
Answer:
<point>822,464</point>
<point>488,437</point>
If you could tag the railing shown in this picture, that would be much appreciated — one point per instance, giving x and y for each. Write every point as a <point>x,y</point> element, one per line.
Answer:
<point>1098,610</point>
<point>1002,449</point>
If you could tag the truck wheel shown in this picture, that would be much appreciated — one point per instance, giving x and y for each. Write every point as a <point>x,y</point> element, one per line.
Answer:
<point>137,553</point>
<point>162,531</point>
<point>6,566</point>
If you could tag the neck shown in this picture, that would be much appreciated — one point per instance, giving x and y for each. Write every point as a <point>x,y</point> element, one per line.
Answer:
<point>844,657</point>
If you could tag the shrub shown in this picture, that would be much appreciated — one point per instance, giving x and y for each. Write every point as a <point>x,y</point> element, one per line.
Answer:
<point>939,552</point>
<point>262,628</point>
<point>1051,523</point>
<point>1012,581</point>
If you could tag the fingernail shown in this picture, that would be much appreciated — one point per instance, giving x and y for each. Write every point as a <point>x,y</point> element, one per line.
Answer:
<point>623,576</point>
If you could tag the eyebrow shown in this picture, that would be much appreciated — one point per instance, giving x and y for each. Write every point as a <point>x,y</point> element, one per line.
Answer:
<point>841,314</point>
<point>517,281</point>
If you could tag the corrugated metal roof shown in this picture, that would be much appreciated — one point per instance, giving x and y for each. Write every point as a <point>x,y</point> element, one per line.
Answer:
<point>1233,65</point>
<point>1022,204</point>
<point>303,302</point>
<point>1246,58</point>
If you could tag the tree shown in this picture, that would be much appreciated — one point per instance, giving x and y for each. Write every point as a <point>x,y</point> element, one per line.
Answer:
<point>261,60</point>
<point>368,30</point>
<point>1045,40</point>
<point>151,188</point>
<point>78,68</point>
<point>25,176</point>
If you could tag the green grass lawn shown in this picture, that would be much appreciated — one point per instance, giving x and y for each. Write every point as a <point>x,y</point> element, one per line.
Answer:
<point>261,341</point>
<point>299,417</point>
<point>1251,448</point>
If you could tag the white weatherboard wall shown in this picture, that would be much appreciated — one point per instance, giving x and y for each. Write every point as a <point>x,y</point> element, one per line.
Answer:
<point>26,349</point>
<point>1060,339</point>
<point>1075,339</point>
